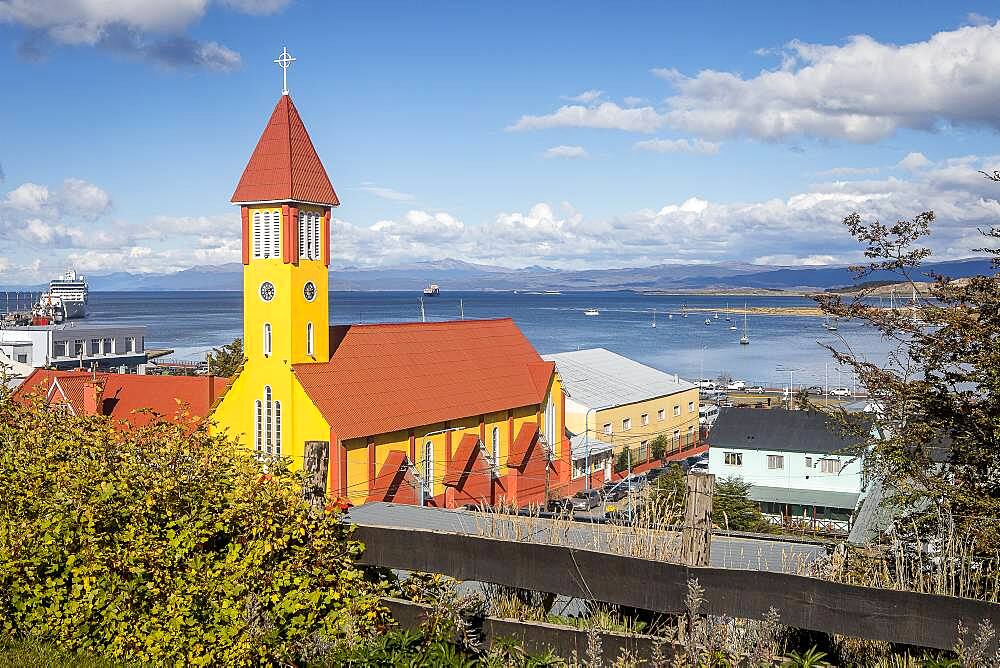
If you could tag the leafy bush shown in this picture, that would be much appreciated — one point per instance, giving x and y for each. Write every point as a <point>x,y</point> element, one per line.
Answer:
<point>658,447</point>
<point>165,544</point>
<point>733,509</point>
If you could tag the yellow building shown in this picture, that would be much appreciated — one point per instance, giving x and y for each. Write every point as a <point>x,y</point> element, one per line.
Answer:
<point>617,400</point>
<point>440,413</point>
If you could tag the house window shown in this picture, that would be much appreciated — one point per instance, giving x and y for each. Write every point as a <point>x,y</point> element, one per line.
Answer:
<point>643,450</point>
<point>59,349</point>
<point>427,484</point>
<point>607,429</point>
<point>130,344</point>
<point>690,407</point>
<point>830,465</point>
<point>626,424</point>
<point>109,346</point>
<point>309,338</point>
<point>266,234</point>
<point>677,410</point>
<point>809,462</point>
<point>77,347</point>
<point>551,437</point>
<point>775,461</point>
<point>95,346</point>
<point>644,418</point>
<point>661,415</point>
<point>23,359</point>
<point>677,437</point>
<point>267,339</point>
<point>308,235</point>
<point>496,452</point>
<point>734,459</point>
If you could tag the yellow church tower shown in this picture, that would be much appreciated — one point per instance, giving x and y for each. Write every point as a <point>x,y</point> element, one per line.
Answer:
<point>285,198</point>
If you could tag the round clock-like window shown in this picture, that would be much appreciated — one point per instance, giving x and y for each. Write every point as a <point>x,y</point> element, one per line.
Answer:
<point>267,291</point>
<point>309,291</point>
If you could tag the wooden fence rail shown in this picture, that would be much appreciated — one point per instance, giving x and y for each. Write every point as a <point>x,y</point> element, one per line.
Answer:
<point>926,620</point>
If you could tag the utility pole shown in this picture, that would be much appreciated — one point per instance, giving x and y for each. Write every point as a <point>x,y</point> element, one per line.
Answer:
<point>423,314</point>
<point>696,541</point>
<point>461,309</point>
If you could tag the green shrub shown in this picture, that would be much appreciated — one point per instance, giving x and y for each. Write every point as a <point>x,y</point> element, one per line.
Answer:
<point>165,544</point>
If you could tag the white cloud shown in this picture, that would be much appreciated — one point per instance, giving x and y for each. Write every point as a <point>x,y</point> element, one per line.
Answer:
<point>150,30</point>
<point>27,197</point>
<point>860,91</point>
<point>563,151</point>
<point>914,161</point>
<point>587,96</point>
<point>385,193</point>
<point>796,261</point>
<point>606,115</point>
<point>849,171</point>
<point>632,101</point>
<point>678,146</point>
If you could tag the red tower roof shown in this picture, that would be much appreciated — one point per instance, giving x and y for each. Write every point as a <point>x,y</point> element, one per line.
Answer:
<point>285,166</point>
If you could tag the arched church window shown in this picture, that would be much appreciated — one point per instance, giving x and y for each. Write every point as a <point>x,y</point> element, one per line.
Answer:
<point>268,421</point>
<point>308,235</point>
<point>277,428</point>
<point>496,451</point>
<point>267,339</point>
<point>309,338</point>
<point>258,427</point>
<point>258,248</point>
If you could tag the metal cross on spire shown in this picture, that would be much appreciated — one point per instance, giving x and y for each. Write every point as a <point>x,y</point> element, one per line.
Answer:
<point>284,60</point>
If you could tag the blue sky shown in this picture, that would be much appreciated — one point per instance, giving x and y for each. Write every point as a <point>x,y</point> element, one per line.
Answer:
<point>568,134</point>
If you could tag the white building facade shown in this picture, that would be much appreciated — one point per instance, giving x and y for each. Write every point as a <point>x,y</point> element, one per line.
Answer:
<point>796,461</point>
<point>71,345</point>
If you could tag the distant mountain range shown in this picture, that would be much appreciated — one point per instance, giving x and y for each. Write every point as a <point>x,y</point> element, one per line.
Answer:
<point>453,274</point>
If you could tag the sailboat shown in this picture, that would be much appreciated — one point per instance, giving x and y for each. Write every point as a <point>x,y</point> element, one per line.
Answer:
<point>830,326</point>
<point>684,311</point>
<point>728,319</point>
<point>708,321</point>
<point>716,315</point>
<point>745,339</point>
<point>654,318</point>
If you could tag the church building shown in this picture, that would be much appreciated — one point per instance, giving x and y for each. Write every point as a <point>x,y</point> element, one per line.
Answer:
<point>434,413</point>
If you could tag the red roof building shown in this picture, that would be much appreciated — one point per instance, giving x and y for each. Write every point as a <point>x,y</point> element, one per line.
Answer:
<point>130,400</point>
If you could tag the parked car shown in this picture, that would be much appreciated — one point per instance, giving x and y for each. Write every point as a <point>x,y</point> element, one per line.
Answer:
<point>815,389</point>
<point>706,384</point>
<point>700,467</point>
<point>559,505</point>
<point>586,499</point>
<point>737,385</point>
<point>840,392</point>
<point>756,389</point>
<point>654,473</point>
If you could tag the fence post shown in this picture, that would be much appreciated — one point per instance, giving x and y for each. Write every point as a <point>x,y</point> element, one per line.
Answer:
<point>696,542</point>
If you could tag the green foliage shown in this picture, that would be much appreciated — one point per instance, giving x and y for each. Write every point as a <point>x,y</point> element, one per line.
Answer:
<point>27,654</point>
<point>658,446</point>
<point>733,509</point>
<point>811,658</point>
<point>622,460</point>
<point>670,489</point>
<point>227,360</point>
<point>165,544</point>
<point>409,648</point>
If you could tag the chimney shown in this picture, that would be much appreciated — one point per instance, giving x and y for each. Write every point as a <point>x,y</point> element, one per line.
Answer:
<point>92,397</point>
<point>211,389</point>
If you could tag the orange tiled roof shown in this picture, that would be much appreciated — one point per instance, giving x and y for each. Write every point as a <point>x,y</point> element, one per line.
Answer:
<point>123,394</point>
<point>384,378</point>
<point>284,166</point>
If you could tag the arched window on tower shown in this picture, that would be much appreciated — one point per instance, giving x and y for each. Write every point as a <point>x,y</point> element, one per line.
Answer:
<point>277,428</point>
<point>268,421</point>
<point>267,339</point>
<point>258,248</point>
<point>427,484</point>
<point>309,338</point>
<point>258,427</point>
<point>308,235</point>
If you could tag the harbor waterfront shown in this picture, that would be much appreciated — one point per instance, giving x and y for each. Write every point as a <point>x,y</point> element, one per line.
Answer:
<point>191,323</point>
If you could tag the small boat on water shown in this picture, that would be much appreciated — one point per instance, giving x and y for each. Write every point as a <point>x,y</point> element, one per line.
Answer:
<point>432,290</point>
<point>708,321</point>
<point>728,319</point>
<point>592,311</point>
<point>745,339</point>
<point>830,326</point>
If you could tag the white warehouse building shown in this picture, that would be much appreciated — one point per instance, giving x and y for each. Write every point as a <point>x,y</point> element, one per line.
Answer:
<point>71,345</point>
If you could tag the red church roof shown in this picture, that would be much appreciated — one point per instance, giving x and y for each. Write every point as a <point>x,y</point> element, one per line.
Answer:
<point>284,166</point>
<point>123,394</point>
<point>390,377</point>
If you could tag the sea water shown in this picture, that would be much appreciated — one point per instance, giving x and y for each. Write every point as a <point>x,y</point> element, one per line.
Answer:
<point>191,323</point>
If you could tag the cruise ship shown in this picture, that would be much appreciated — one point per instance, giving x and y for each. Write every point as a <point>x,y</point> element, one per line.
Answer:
<point>69,292</point>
